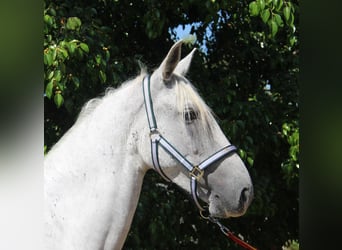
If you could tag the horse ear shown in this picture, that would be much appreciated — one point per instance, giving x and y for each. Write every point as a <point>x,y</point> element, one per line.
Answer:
<point>184,65</point>
<point>171,60</point>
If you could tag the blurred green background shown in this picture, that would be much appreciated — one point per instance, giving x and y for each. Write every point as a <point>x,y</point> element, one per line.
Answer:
<point>246,70</point>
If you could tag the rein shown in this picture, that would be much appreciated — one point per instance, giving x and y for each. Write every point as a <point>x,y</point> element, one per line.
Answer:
<point>196,172</point>
<point>229,234</point>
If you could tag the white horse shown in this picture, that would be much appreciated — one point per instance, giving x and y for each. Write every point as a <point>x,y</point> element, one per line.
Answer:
<point>94,174</point>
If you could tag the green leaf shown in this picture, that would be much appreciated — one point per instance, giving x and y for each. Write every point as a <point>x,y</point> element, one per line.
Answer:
<point>52,12</point>
<point>50,75</point>
<point>49,89</point>
<point>84,47</point>
<point>293,40</point>
<point>98,59</point>
<point>273,27</point>
<point>278,20</point>
<point>291,19</point>
<point>76,81</point>
<point>48,19</point>
<point>58,75</point>
<point>103,76</point>
<point>58,100</point>
<point>64,52</point>
<point>73,23</point>
<point>250,161</point>
<point>265,15</point>
<point>253,9</point>
<point>242,153</point>
<point>54,53</point>
<point>60,86</point>
<point>279,5</point>
<point>287,11</point>
<point>71,46</point>
<point>261,4</point>
<point>48,57</point>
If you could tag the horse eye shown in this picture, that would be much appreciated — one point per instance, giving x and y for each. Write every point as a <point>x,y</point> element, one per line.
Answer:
<point>190,115</point>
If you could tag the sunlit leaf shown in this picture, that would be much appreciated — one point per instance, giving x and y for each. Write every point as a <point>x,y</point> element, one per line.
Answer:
<point>287,11</point>
<point>293,40</point>
<point>64,52</point>
<point>265,15</point>
<point>273,26</point>
<point>253,9</point>
<point>49,89</point>
<point>50,75</point>
<point>98,59</point>
<point>279,5</point>
<point>48,58</point>
<point>84,47</point>
<point>58,100</point>
<point>261,4</point>
<point>73,23</point>
<point>102,76</point>
<point>48,19</point>
<point>278,20</point>
<point>58,75</point>
<point>250,161</point>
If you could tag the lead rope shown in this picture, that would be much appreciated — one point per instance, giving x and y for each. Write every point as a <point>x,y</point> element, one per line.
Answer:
<point>229,234</point>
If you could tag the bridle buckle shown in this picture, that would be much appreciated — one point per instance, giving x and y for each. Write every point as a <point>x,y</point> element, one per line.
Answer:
<point>154,134</point>
<point>196,172</point>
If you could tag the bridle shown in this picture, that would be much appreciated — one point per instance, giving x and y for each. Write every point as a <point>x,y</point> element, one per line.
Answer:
<point>196,172</point>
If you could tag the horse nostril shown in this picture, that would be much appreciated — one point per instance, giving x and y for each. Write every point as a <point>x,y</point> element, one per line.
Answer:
<point>244,195</point>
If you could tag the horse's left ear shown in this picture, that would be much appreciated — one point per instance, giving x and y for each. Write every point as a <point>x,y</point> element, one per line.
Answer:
<point>184,65</point>
<point>171,60</point>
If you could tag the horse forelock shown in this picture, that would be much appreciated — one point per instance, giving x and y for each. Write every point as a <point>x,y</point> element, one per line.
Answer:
<point>188,95</point>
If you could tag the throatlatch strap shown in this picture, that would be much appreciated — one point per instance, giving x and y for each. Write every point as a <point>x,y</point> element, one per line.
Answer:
<point>155,158</point>
<point>173,152</point>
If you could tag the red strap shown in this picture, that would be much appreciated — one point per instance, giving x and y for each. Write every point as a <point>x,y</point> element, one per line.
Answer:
<point>239,241</point>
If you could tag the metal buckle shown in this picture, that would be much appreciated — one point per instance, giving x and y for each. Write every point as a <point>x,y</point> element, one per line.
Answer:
<point>196,172</point>
<point>154,135</point>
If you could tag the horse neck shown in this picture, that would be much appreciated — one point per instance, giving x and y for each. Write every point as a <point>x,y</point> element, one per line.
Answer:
<point>94,175</point>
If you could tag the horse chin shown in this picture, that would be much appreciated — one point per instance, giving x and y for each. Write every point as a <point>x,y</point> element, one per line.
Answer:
<point>224,212</point>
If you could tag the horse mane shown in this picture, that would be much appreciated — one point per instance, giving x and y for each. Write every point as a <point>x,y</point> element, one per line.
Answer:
<point>185,91</point>
<point>93,103</point>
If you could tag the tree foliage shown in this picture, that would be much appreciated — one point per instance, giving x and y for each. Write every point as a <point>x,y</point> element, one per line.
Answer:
<point>246,70</point>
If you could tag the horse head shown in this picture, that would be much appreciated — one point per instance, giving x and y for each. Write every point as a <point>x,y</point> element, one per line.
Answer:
<point>181,122</point>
